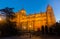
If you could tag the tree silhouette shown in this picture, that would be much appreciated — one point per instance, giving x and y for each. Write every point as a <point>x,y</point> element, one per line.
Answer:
<point>50,30</point>
<point>46,29</point>
<point>9,26</point>
<point>57,28</point>
<point>42,29</point>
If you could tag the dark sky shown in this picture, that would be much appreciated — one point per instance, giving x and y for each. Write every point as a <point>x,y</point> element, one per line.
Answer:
<point>32,6</point>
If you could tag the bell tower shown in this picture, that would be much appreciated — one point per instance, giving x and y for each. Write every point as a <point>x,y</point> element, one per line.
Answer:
<point>50,18</point>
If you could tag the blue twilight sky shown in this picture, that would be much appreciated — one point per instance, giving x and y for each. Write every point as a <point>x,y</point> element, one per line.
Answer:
<point>32,6</point>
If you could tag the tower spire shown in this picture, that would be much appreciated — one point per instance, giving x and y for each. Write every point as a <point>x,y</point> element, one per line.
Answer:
<point>49,7</point>
<point>50,15</point>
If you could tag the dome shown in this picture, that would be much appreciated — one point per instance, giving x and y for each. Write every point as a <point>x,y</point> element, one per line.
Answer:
<point>23,12</point>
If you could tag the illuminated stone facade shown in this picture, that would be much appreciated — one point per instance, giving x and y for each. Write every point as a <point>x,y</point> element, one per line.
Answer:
<point>35,21</point>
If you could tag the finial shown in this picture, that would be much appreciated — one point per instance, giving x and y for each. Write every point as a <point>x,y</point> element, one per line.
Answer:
<point>22,7</point>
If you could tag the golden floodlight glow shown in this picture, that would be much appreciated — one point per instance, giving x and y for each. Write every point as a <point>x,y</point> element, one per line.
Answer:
<point>35,21</point>
<point>30,26</point>
<point>24,27</point>
<point>0,19</point>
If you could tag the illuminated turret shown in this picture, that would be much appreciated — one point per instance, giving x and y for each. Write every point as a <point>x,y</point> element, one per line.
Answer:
<point>49,7</point>
<point>50,16</point>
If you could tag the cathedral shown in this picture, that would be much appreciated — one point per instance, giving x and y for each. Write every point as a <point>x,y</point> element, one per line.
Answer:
<point>35,21</point>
